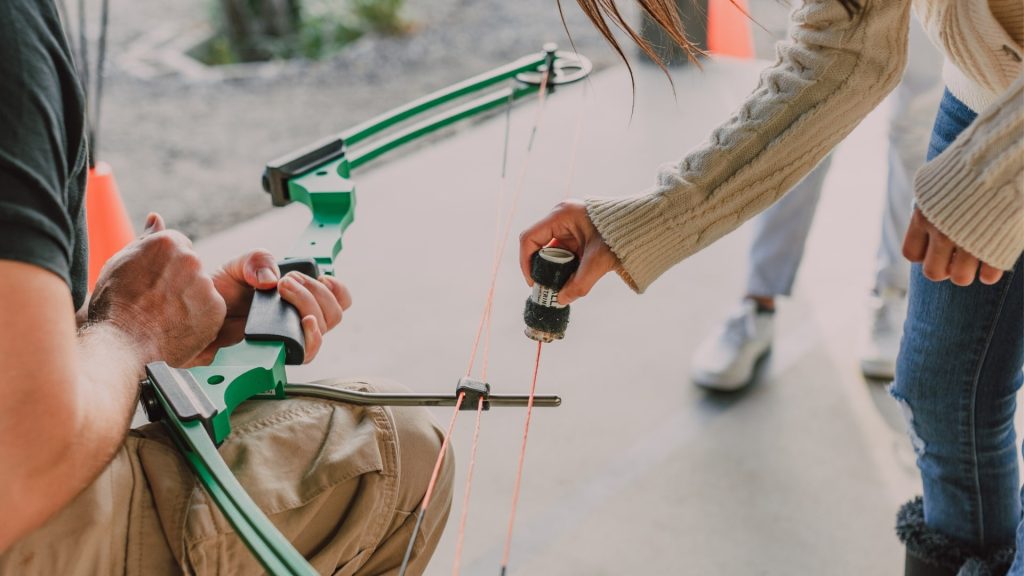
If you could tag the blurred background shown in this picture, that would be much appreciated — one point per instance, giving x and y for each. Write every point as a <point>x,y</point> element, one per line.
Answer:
<point>189,140</point>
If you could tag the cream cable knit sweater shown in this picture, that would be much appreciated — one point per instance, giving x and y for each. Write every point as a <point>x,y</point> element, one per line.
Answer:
<point>828,76</point>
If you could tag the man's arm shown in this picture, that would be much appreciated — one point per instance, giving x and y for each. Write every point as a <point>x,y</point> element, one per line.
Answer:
<point>69,392</point>
<point>68,400</point>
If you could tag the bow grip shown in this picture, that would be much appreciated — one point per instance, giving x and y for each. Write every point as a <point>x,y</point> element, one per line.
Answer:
<point>271,319</point>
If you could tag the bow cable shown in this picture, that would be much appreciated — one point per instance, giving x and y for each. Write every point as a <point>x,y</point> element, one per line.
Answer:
<point>522,460</point>
<point>516,194</point>
<point>536,367</point>
<point>469,485</point>
<point>430,487</point>
<point>489,308</point>
<point>484,324</point>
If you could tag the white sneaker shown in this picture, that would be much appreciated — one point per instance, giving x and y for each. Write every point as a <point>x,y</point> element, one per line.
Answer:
<point>728,359</point>
<point>878,359</point>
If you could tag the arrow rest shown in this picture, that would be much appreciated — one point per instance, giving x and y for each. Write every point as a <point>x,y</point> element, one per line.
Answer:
<point>474,391</point>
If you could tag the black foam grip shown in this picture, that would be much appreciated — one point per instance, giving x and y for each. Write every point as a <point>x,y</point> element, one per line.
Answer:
<point>546,318</point>
<point>551,274</point>
<point>271,319</point>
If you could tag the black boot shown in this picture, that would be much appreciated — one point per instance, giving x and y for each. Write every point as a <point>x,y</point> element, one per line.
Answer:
<point>929,553</point>
<point>915,566</point>
<point>996,563</point>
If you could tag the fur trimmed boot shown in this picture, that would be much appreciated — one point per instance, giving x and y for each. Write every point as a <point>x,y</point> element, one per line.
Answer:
<point>930,553</point>
<point>995,564</point>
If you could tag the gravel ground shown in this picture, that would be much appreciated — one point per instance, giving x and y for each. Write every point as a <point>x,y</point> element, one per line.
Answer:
<point>193,149</point>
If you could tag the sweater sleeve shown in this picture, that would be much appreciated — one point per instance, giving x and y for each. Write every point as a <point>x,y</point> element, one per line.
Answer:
<point>974,191</point>
<point>829,74</point>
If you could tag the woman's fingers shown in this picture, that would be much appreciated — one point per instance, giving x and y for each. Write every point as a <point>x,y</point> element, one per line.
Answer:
<point>570,225</point>
<point>963,268</point>
<point>937,259</point>
<point>989,275</point>
<point>942,259</point>
<point>531,240</point>
<point>597,261</point>
<point>915,243</point>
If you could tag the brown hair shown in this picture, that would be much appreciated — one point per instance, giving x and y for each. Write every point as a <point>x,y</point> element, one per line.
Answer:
<point>605,13</point>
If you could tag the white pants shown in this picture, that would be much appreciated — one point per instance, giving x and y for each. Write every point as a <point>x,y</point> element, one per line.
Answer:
<point>781,231</point>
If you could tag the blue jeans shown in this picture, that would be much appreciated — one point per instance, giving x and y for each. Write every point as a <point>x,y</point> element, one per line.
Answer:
<point>957,376</point>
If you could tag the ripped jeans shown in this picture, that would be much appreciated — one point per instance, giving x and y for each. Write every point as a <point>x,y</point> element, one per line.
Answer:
<point>957,376</point>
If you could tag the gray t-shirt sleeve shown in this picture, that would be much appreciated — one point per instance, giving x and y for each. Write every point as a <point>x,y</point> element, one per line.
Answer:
<point>42,152</point>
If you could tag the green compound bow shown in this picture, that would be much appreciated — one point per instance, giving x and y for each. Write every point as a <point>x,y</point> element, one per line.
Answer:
<point>196,403</point>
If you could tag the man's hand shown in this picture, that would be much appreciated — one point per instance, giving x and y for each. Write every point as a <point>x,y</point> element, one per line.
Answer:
<point>321,302</point>
<point>941,257</point>
<point>156,292</point>
<point>569,224</point>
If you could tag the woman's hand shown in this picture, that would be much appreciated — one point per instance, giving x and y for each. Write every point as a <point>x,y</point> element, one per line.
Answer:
<point>570,226</point>
<point>942,259</point>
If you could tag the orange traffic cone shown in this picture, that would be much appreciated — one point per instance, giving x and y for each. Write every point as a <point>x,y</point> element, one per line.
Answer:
<point>110,229</point>
<point>729,29</point>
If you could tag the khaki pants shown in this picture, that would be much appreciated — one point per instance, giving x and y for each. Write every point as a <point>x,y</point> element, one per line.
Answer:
<point>342,482</point>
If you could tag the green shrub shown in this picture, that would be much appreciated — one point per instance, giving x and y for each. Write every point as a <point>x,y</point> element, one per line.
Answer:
<point>259,30</point>
<point>383,16</point>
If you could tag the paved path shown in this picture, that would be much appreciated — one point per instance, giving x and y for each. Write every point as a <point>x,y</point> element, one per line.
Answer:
<point>638,472</point>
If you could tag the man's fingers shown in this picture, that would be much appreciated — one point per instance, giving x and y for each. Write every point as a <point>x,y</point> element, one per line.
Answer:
<point>256,269</point>
<point>259,270</point>
<point>937,260</point>
<point>154,223</point>
<point>156,231</point>
<point>340,291</point>
<point>313,336</point>
<point>320,302</point>
<point>963,268</point>
<point>296,294</point>
<point>330,308</point>
<point>989,275</point>
<point>155,226</point>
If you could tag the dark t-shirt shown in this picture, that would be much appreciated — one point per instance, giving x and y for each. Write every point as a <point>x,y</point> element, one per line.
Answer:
<point>42,149</point>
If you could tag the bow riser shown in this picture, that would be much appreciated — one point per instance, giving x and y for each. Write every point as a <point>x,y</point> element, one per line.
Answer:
<point>331,198</point>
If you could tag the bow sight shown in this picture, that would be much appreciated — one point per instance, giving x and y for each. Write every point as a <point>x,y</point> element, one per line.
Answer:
<point>196,403</point>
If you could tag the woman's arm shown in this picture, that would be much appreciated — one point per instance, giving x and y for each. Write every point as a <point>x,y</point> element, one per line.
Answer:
<point>974,191</point>
<point>829,75</point>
